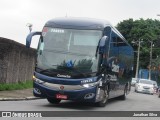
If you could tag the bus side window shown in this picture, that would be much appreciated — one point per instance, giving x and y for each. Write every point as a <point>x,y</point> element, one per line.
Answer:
<point>120,42</point>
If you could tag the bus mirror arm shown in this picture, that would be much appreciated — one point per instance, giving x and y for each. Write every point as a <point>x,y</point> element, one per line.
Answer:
<point>29,38</point>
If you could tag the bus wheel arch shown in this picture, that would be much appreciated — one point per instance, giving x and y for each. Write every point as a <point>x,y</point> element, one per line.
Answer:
<point>105,98</point>
<point>123,97</point>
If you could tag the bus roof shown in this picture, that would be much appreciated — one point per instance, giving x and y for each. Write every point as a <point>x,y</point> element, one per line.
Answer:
<point>78,23</point>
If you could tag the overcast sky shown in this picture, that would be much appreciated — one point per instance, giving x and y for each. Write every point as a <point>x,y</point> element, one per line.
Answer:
<point>15,14</point>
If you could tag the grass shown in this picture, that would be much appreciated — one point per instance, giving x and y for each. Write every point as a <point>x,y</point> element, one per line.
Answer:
<point>16,86</point>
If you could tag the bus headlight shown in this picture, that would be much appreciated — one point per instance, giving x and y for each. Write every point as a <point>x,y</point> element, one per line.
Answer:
<point>38,80</point>
<point>87,85</point>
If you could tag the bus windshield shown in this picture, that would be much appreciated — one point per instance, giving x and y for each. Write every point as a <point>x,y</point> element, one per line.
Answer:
<point>69,49</point>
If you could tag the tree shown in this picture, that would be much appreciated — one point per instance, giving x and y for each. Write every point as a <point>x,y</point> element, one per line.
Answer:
<point>146,30</point>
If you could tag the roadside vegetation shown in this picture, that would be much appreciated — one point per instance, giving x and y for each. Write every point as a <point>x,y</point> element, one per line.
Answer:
<point>16,86</point>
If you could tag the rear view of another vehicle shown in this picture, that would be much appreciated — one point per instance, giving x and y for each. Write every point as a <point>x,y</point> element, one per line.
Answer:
<point>144,86</point>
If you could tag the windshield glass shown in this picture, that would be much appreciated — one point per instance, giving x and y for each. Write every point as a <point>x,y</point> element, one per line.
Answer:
<point>146,82</point>
<point>68,49</point>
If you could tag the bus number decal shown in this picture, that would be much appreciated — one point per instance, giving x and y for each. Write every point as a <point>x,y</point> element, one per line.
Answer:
<point>57,30</point>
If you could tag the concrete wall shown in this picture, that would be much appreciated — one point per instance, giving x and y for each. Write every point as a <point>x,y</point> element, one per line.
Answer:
<point>16,61</point>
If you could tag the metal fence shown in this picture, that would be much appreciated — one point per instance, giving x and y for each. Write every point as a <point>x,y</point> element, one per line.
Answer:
<point>16,61</point>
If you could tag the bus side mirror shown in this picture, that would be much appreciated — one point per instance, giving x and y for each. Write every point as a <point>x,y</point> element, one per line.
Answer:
<point>102,44</point>
<point>29,38</point>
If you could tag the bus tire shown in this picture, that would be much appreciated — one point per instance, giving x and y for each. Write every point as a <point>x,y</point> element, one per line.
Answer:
<point>123,97</point>
<point>104,101</point>
<point>53,101</point>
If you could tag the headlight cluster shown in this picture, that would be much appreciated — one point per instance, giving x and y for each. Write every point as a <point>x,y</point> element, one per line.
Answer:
<point>90,84</point>
<point>37,80</point>
<point>139,86</point>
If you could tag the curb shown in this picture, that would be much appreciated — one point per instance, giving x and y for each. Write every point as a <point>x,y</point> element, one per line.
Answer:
<point>20,99</point>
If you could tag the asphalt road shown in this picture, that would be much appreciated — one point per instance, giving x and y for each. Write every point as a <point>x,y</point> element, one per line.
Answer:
<point>134,102</point>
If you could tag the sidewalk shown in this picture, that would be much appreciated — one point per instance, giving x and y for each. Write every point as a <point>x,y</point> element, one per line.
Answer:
<point>25,94</point>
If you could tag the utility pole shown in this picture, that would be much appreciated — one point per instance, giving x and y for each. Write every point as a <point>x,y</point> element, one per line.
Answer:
<point>150,62</point>
<point>138,53</point>
<point>137,66</point>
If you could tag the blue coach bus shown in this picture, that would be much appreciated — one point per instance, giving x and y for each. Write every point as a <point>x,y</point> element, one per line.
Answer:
<point>79,59</point>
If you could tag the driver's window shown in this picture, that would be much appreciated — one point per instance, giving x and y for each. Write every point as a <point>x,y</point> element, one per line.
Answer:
<point>40,46</point>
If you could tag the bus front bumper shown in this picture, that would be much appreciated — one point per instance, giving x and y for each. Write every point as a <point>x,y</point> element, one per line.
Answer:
<point>85,94</point>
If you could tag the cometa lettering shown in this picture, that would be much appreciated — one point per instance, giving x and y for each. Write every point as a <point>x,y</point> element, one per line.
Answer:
<point>65,76</point>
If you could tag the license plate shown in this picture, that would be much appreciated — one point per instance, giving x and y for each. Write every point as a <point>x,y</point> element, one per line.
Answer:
<point>59,96</point>
<point>146,91</point>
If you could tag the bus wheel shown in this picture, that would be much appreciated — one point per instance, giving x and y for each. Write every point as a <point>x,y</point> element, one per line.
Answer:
<point>104,100</point>
<point>123,97</point>
<point>53,101</point>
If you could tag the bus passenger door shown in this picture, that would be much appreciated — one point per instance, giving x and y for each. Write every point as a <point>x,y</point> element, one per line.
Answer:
<point>125,64</point>
<point>113,66</point>
<point>113,75</point>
